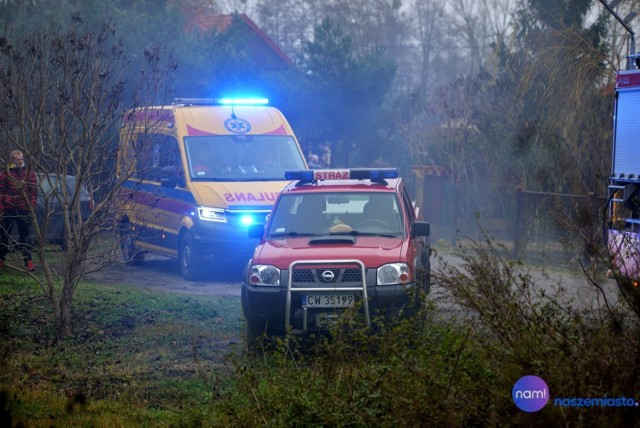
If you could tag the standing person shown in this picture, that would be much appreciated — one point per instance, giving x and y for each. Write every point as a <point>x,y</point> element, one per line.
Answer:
<point>18,192</point>
<point>314,161</point>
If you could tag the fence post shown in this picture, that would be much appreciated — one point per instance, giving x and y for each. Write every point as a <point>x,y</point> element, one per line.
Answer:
<point>517,223</point>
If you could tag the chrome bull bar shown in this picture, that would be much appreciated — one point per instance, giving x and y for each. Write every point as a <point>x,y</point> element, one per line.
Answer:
<point>362,289</point>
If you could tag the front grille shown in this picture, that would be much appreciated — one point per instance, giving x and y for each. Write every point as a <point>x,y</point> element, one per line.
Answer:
<point>303,275</point>
<point>314,276</point>
<point>352,275</point>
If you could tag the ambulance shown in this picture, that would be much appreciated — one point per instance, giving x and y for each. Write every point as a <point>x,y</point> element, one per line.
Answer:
<point>198,173</point>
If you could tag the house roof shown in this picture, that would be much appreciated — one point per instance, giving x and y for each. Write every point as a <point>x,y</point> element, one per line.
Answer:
<point>263,45</point>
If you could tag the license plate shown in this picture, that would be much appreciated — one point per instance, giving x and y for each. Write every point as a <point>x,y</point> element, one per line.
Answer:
<point>328,300</point>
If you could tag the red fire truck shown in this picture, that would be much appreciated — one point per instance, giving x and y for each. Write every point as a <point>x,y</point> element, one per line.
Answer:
<point>623,231</point>
<point>623,207</point>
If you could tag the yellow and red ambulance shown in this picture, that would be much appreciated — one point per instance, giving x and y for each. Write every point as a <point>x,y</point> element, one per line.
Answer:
<point>199,172</point>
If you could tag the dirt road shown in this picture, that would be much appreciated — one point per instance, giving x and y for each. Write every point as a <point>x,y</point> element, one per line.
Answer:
<point>583,293</point>
<point>160,273</point>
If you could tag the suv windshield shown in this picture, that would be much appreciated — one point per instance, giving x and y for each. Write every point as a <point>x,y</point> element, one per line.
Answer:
<point>357,213</point>
<point>242,157</point>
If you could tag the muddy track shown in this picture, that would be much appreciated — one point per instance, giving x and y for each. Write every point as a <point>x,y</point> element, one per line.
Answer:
<point>163,274</point>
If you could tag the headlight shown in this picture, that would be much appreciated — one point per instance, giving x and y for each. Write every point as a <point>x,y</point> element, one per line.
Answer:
<point>247,220</point>
<point>212,214</point>
<point>264,275</point>
<point>393,273</point>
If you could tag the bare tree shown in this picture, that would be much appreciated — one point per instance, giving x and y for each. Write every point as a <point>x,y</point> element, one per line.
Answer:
<point>289,22</point>
<point>63,91</point>
<point>478,26</point>
<point>537,119</point>
<point>430,24</point>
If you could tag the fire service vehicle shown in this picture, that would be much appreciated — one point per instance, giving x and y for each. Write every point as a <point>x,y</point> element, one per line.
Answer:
<point>335,239</point>
<point>622,230</point>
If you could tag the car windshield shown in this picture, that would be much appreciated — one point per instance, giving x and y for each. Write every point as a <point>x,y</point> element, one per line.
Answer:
<point>242,157</point>
<point>47,181</point>
<point>352,213</point>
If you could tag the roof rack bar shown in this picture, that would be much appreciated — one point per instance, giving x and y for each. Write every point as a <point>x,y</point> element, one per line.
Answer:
<point>195,101</point>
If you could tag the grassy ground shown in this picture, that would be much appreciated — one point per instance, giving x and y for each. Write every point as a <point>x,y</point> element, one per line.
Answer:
<point>142,358</point>
<point>135,356</point>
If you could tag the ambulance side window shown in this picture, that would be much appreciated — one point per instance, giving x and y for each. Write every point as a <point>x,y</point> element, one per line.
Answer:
<point>158,157</point>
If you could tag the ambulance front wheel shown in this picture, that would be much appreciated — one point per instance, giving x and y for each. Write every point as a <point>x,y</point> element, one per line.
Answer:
<point>191,263</point>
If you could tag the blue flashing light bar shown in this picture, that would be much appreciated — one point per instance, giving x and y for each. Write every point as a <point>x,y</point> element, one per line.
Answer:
<point>221,101</point>
<point>302,175</point>
<point>373,174</point>
<point>244,101</point>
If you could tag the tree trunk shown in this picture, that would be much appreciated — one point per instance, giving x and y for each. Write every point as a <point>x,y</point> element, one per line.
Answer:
<point>65,326</point>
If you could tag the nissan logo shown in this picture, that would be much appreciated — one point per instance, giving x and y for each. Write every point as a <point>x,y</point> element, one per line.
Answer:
<point>328,276</point>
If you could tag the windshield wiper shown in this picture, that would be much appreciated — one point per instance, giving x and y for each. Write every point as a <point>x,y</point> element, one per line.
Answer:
<point>292,234</point>
<point>382,234</point>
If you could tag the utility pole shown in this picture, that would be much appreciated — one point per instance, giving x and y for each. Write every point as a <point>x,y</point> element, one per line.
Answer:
<point>632,58</point>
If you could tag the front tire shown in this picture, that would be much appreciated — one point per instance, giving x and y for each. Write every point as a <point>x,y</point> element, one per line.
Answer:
<point>256,329</point>
<point>191,264</point>
<point>423,272</point>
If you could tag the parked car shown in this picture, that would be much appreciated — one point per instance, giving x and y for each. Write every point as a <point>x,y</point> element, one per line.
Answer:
<point>50,195</point>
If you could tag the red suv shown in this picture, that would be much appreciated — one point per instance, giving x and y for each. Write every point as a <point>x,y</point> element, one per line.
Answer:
<point>335,238</point>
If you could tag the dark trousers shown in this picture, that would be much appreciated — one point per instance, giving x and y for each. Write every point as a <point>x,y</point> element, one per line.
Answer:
<point>22,220</point>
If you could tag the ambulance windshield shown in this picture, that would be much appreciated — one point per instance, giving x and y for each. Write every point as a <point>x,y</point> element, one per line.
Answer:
<point>251,158</point>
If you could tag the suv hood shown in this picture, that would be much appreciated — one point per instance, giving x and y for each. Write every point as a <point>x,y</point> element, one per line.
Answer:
<point>373,251</point>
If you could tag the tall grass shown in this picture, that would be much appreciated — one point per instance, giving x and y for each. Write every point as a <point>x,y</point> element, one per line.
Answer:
<point>154,359</point>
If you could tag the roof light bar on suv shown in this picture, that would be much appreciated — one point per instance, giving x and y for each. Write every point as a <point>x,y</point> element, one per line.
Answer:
<point>373,174</point>
<point>221,101</point>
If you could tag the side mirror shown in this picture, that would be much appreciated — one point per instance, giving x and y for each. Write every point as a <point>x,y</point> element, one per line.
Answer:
<point>420,228</point>
<point>171,177</point>
<point>169,171</point>
<point>256,231</point>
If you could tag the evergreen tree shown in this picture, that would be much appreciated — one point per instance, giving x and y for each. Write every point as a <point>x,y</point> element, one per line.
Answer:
<point>342,103</point>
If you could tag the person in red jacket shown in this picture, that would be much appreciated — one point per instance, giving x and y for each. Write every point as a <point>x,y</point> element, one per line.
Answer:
<point>18,193</point>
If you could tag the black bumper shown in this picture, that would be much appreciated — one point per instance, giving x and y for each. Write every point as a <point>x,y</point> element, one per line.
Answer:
<point>267,304</point>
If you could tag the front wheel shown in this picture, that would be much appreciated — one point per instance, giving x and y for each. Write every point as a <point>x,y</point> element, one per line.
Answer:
<point>190,262</point>
<point>423,271</point>
<point>255,328</point>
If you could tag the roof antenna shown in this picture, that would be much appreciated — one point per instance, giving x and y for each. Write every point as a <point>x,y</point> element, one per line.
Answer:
<point>233,113</point>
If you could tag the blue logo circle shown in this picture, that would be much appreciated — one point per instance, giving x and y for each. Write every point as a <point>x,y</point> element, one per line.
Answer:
<point>530,393</point>
<point>237,125</point>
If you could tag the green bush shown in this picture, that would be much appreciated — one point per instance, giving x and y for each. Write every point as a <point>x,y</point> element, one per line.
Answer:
<point>160,359</point>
